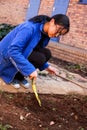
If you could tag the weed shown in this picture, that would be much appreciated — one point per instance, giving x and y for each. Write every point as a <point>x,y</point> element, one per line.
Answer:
<point>5,29</point>
<point>5,127</point>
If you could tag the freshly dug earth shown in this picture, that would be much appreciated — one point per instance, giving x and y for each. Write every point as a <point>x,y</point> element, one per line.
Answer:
<point>20,111</point>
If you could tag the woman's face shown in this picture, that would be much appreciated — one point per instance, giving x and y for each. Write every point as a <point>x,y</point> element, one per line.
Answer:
<point>54,30</point>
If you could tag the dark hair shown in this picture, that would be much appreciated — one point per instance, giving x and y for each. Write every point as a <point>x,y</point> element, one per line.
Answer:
<point>40,19</point>
<point>60,19</point>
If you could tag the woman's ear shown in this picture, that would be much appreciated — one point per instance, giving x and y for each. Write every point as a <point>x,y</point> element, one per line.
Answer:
<point>52,21</point>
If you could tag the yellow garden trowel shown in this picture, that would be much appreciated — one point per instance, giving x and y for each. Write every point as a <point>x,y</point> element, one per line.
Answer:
<point>35,91</point>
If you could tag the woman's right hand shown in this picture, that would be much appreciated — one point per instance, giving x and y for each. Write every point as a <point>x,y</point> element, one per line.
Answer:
<point>33,75</point>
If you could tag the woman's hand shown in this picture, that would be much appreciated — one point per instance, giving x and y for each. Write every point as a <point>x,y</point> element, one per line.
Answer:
<point>33,75</point>
<point>51,70</point>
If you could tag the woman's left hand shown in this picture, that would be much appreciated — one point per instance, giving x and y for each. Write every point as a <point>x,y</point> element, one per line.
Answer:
<point>51,70</point>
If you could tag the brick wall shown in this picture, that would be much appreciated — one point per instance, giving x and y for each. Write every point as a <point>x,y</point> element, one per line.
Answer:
<point>68,53</point>
<point>46,7</point>
<point>13,11</point>
<point>77,36</point>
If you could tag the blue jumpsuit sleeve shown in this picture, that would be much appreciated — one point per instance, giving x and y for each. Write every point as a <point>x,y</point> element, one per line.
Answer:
<point>46,65</point>
<point>15,52</point>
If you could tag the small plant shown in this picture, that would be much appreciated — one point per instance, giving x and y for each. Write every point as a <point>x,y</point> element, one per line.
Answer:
<point>5,127</point>
<point>5,29</point>
<point>1,91</point>
<point>82,129</point>
<point>9,96</point>
<point>54,109</point>
<point>42,74</point>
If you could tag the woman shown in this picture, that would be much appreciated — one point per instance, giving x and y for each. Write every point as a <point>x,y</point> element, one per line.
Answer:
<point>23,50</point>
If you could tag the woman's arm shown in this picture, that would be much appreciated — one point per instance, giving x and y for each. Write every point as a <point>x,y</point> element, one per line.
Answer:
<point>15,52</point>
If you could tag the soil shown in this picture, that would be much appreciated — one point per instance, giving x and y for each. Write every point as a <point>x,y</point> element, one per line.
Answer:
<point>75,68</point>
<point>21,111</point>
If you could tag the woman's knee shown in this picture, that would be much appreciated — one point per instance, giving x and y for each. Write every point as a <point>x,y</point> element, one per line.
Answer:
<point>37,59</point>
<point>47,54</point>
<point>41,60</point>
